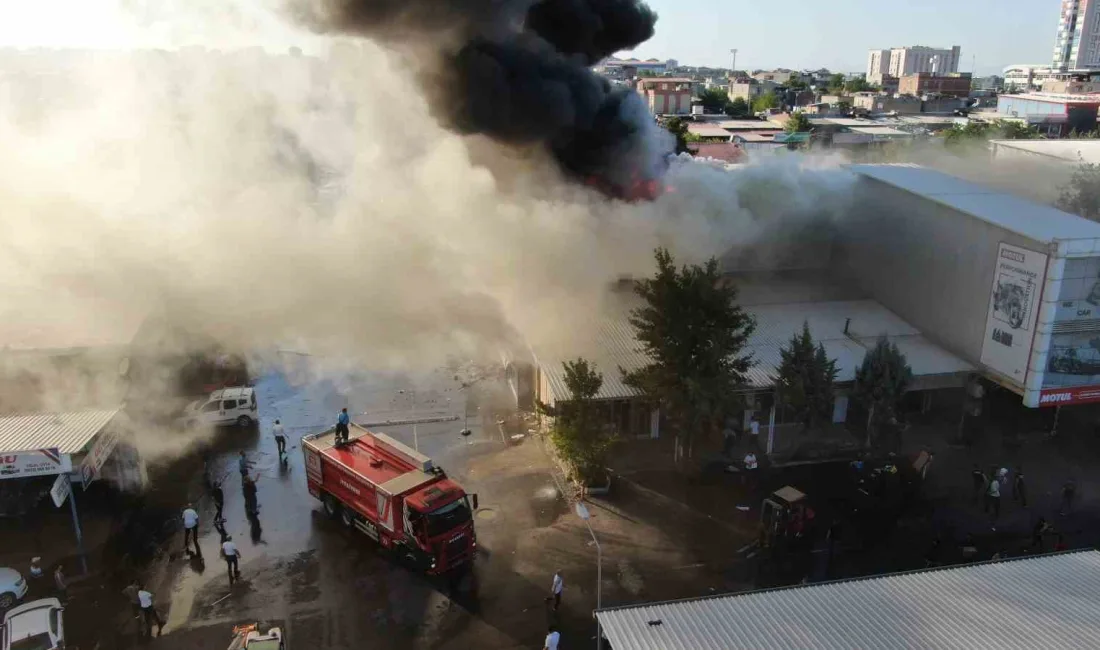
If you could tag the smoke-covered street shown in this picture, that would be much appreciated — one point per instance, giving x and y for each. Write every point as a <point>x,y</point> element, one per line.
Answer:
<point>330,587</point>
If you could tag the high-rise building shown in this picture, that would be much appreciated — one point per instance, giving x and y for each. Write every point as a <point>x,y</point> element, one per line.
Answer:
<point>901,61</point>
<point>1077,46</point>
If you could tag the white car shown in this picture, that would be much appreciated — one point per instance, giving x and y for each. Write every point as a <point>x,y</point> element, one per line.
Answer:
<point>12,587</point>
<point>224,406</point>
<point>36,625</point>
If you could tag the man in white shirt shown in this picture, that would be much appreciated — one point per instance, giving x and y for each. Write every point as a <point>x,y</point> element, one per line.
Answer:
<point>552,639</point>
<point>754,432</point>
<point>280,437</point>
<point>231,555</point>
<point>556,588</point>
<point>145,600</point>
<point>191,529</point>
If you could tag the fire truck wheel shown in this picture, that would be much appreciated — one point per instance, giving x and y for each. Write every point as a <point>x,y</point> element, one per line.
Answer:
<point>345,516</point>
<point>332,508</point>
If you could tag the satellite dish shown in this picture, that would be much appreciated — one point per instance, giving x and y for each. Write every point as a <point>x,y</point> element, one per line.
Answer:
<point>465,433</point>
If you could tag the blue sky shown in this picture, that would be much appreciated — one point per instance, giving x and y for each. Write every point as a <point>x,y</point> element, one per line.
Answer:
<point>836,34</point>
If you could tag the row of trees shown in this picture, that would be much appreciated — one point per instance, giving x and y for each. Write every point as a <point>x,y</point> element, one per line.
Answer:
<point>694,334</point>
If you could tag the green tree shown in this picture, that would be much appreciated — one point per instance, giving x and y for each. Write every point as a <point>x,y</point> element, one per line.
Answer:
<point>578,435</point>
<point>797,84</point>
<point>765,101</point>
<point>1081,195</point>
<point>836,83</point>
<point>857,85</point>
<point>738,108</point>
<point>714,99</point>
<point>694,334</point>
<point>798,123</point>
<point>881,381</point>
<point>678,127</point>
<point>806,377</point>
<point>977,133</point>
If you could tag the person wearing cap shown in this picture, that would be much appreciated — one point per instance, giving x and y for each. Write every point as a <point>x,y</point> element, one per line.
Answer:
<point>342,422</point>
<point>36,567</point>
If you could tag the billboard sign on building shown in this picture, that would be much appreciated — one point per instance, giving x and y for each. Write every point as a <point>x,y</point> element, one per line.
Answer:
<point>1073,361</point>
<point>1013,311</point>
<point>40,462</point>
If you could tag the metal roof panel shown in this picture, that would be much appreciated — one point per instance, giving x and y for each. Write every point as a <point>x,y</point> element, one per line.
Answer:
<point>1039,223</point>
<point>1049,601</point>
<point>69,432</point>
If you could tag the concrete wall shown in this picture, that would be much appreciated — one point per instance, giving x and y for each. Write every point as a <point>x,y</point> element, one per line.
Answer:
<point>927,263</point>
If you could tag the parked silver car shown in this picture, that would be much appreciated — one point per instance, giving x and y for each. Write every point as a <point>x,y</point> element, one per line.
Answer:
<point>12,587</point>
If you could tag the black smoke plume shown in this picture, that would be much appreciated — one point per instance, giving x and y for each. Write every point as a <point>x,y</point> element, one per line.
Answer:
<point>519,72</point>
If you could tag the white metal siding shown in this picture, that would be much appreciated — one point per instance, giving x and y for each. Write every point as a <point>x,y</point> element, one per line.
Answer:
<point>1048,602</point>
<point>69,432</point>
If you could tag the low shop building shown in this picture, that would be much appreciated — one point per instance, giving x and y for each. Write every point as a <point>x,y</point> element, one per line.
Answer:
<point>1050,601</point>
<point>843,319</point>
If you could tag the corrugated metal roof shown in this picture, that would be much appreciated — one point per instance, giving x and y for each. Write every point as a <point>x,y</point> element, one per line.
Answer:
<point>1040,223</point>
<point>69,432</point>
<point>618,348</point>
<point>1074,151</point>
<point>775,326</point>
<point>1041,602</point>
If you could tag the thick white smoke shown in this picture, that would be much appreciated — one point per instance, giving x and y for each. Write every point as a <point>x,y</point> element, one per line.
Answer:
<point>314,203</point>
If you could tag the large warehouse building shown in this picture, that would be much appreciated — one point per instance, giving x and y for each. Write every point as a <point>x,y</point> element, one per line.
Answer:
<point>963,278</point>
<point>1010,286</point>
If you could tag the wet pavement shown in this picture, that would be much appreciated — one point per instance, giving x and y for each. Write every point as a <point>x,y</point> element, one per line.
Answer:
<point>331,588</point>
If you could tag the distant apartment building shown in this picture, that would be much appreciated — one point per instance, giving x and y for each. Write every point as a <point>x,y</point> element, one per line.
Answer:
<point>780,76</point>
<point>667,95</point>
<point>926,83</point>
<point>1077,45</point>
<point>1024,77</point>
<point>631,67</point>
<point>901,61</point>
<point>749,89</point>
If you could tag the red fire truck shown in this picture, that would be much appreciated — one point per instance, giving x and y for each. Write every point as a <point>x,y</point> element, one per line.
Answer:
<point>395,495</point>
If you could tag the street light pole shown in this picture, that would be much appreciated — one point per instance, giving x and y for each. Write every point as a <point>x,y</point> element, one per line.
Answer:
<point>582,512</point>
<point>416,438</point>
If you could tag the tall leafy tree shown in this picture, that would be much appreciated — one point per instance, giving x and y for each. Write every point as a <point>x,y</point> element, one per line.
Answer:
<point>1081,195</point>
<point>578,435</point>
<point>678,127</point>
<point>714,99</point>
<point>738,108</point>
<point>857,85</point>
<point>694,333</point>
<point>798,123</point>
<point>836,83</point>
<point>806,378</point>
<point>881,381</point>
<point>765,101</point>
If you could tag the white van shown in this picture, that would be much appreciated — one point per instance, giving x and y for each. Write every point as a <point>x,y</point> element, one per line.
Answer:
<point>224,406</point>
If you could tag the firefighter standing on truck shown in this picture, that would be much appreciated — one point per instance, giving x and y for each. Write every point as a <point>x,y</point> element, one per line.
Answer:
<point>342,422</point>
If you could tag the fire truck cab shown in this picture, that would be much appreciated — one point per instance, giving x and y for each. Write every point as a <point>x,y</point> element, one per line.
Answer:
<point>394,495</point>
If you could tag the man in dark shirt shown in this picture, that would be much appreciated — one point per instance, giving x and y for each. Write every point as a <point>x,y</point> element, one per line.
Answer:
<point>219,502</point>
<point>978,479</point>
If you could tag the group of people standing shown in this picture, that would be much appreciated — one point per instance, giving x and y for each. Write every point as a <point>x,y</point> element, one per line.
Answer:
<point>990,487</point>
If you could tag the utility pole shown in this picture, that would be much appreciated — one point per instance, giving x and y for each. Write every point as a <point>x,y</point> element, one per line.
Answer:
<point>733,63</point>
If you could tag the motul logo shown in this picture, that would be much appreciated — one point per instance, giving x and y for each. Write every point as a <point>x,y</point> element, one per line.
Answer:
<point>1012,255</point>
<point>1056,397</point>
